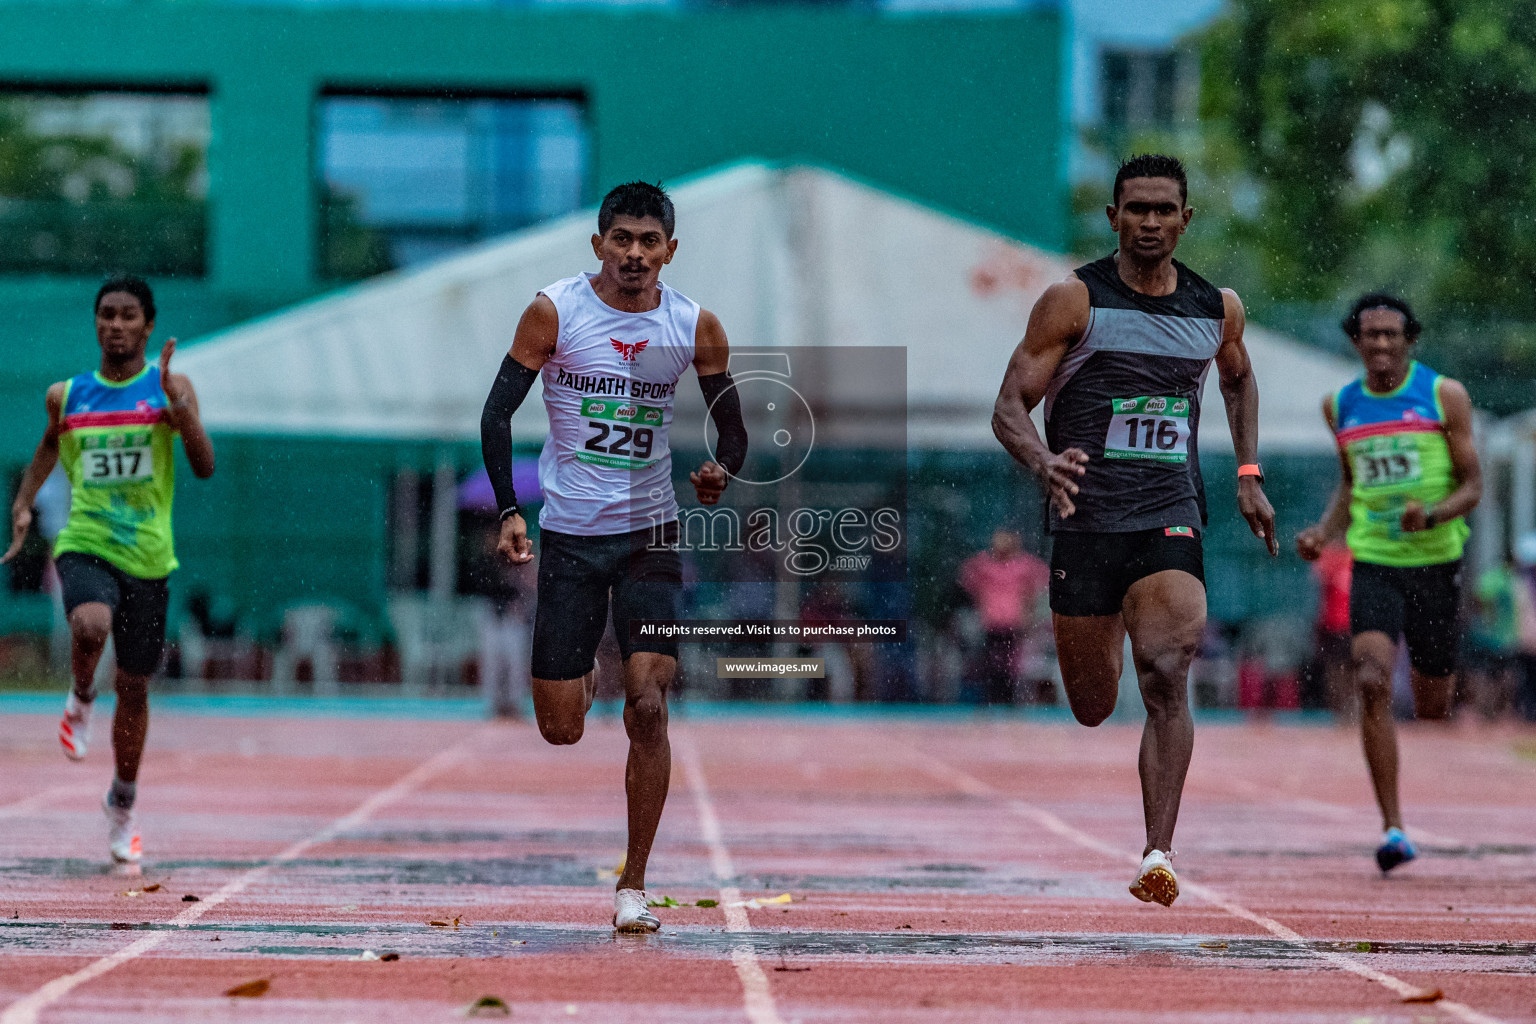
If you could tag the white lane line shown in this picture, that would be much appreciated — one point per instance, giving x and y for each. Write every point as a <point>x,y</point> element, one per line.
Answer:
<point>26,1009</point>
<point>972,786</point>
<point>755,995</point>
<point>38,801</point>
<point>1334,812</point>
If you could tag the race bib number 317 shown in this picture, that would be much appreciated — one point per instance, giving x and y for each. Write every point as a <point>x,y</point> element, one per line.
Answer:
<point>1154,429</point>
<point>111,460</point>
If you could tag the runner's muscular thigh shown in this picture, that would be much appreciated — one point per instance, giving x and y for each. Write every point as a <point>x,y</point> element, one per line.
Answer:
<point>1091,652</point>
<point>1165,614</point>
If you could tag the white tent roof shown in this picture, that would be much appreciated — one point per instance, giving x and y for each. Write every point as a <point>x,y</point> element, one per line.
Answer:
<point>785,256</point>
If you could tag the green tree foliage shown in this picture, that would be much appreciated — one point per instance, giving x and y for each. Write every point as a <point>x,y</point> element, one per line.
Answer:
<point>78,202</point>
<point>1382,142</point>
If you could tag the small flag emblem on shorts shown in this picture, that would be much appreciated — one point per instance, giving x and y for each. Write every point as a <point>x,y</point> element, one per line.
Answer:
<point>1179,531</point>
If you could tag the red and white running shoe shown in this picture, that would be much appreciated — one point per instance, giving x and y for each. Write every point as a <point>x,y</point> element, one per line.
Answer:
<point>122,832</point>
<point>75,727</point>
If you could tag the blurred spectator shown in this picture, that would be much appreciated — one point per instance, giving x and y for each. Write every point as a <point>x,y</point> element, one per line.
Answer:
<point>1274,649</point>
<point>1525,613</point>
<point>1004,583</point>
<point>1492,641</point>
<point>1329,679</point>
<point>503,623</point>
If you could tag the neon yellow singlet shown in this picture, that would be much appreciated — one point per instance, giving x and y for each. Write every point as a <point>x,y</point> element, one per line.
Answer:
<point>117,450</point>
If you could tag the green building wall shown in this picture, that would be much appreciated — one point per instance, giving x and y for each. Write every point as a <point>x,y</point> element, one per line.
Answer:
<point>959,111</point>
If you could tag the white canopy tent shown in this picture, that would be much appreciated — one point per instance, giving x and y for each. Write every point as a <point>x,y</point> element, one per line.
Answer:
<point>787,257</point>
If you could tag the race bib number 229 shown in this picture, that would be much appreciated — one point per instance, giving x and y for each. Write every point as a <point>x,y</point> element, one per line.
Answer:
<point>621,435</point>
<point>1155,429</point>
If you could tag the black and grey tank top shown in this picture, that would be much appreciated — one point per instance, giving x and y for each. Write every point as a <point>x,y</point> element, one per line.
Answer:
<point>1128,394</point>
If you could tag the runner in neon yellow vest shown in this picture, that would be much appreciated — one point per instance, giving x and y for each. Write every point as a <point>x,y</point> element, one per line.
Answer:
<point>112,431</point>
<point>1410,476</point>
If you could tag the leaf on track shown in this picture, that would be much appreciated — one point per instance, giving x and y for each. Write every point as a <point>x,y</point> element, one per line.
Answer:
<point>189,898</point>
<point>1426,996</point>
<point>1213,945</point>
<point>662,901</point>
<point>438,924</point>
<point>251,989</point>
<point>152,888</point>
<point>489,1006</point>
<point>390,957</point>
<point>707,903</point>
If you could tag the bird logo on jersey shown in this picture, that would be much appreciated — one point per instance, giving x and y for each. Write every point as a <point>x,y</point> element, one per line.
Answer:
<point>627,351</point>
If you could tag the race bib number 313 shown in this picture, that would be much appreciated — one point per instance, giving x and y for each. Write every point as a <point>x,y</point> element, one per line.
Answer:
<point>1155,429</point>
<point>621,435</point>
<point>111,460</point>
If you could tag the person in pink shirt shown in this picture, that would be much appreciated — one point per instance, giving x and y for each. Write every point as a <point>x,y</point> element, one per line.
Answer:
<point>1005,583</point>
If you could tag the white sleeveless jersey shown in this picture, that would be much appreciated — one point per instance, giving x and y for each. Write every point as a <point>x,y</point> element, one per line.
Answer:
<point>609,388</point>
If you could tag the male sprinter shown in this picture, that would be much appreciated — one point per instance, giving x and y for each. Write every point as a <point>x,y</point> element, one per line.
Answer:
<point>1410,475</point>
<point>113,430</point>
<point>611,347</point>
<point>1119,352</point>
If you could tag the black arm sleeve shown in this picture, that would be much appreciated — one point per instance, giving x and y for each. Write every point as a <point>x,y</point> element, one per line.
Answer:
<point>724,403</point>
<point>511,387</point>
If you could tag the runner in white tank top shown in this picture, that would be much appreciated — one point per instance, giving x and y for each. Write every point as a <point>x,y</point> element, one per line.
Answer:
<point>609,387</point>
<point>611,347</point>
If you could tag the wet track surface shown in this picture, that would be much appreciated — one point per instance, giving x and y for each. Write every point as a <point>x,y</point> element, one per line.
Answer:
<point>938,871</point>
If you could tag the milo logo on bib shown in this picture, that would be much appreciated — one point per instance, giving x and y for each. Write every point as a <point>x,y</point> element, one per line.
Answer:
<point>1152,428</point>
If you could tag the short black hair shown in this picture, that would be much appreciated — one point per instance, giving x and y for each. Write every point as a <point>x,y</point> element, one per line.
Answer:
<point>1381,300</point>
<point>1153,165</point>
<point>636,199</point>
<point>135,286</point>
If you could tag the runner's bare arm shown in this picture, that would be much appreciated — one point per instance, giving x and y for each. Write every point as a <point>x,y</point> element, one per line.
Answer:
<point>1240,392</point>
<point>1311,541</point>
<point>532,344</point>
<point>1059,318</point>
<point>182,412</point>
<point>43,460</point>
<point>1457,405</point>
<point>712,360</point>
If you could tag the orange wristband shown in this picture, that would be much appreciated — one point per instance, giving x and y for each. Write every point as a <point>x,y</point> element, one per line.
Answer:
<point>1252,469</point>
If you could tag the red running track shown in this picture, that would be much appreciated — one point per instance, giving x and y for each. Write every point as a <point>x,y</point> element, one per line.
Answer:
<point>942,870</point>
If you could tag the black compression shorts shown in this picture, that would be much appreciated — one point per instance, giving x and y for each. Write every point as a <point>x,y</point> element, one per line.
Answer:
<point>576,577</point>
<point>1421,604</point>
<point>1091,572</point>
<point>138,607</point>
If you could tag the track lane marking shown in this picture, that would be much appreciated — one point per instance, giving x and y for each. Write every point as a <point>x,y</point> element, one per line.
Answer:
<point>26,1009</point>
<point>1333,812</point>
<point>37,801</point>
<point>972,786</point>
<point>757,998</point>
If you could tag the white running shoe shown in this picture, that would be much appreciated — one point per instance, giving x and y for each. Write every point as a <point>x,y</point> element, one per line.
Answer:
<point>1156,882</point>
<point>122,832</point>
<point>630,913</point>
<point>75,727</point>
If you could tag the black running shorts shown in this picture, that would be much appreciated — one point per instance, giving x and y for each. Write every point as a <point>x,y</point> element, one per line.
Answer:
<point>138,607</point>
<point>577,575</point>
<point>1420,603</point>
<point>1091,572</point>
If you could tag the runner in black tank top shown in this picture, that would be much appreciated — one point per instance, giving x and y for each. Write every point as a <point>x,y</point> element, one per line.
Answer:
<point>1119,353</point>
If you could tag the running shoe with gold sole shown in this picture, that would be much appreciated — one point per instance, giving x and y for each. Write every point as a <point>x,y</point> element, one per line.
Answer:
<point>631,912</point>
<point>1156,882</point>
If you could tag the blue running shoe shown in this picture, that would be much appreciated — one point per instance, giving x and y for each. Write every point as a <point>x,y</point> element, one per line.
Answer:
<point>1395,849</point>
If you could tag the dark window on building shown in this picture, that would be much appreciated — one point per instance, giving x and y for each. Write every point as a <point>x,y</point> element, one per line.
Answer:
<point>1141,89</point>
<point>93,182</point>
<point>406,180</point>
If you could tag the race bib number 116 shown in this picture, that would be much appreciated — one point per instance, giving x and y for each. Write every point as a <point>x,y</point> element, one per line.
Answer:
<point>1156,429</point>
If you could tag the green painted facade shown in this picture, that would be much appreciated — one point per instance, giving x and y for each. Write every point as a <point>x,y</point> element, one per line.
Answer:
<point>959,111</point>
